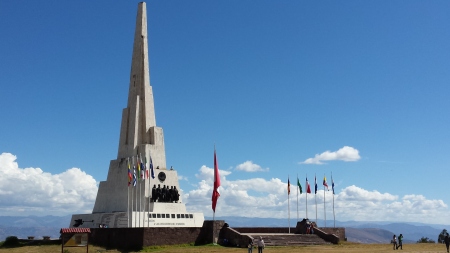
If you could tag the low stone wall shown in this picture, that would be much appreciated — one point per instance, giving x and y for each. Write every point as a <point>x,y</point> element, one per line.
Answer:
<point>233,238</point>
<point>266,230</point>
<point>339,232</point>
<point>212,231</point>
<point>137,238</point>
<point>327,237</point>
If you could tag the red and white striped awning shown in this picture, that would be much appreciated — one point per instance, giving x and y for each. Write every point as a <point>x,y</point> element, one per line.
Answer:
<point>74,230</point>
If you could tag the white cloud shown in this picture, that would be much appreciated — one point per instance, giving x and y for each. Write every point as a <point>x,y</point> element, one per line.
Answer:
<point>258,197</point>
<point>348,154</point>
<point>31,191</point>
<point>249,166</point>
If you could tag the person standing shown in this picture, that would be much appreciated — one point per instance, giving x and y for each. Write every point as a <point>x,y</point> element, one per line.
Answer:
<point>400,242</point>
<point>394,241</point>
<point>250,246</point>
<point>261,245</point>
<point>447,241</point>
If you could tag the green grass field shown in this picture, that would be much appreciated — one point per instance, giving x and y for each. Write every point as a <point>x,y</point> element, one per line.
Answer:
<point>341,248</point>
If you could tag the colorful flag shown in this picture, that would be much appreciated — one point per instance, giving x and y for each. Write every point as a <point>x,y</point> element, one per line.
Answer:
<point>325,182</point>
<point>315,182</point>
<point>332,184</point>
<point>134,177</point>
<point>289,187</point>
<point>308,188</point>
<point>142,168</point>
<point>138,167</point>
<point>215,194</point>
<point>129,172</point>
<point>146,169</point>
<point>151,168</point>
<point>134,171</point>
<point>299,186</point>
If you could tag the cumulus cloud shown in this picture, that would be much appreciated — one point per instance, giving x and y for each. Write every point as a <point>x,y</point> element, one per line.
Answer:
<point>347,154</point>
<point>249,166</point>
<point>267,198</point>
<point>33,191</point>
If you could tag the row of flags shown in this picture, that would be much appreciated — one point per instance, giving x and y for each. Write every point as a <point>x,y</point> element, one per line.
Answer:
<point>308,187</point>
<point>141,167</point>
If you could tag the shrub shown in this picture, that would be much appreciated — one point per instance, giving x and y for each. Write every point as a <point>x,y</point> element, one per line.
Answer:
<point>425,240</point>
<point>11,241</point>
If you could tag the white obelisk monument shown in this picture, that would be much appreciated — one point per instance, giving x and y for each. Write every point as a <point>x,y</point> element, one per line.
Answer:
<point>118,203</point>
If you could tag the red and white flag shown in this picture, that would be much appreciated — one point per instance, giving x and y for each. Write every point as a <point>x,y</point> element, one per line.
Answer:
<point>215,194</point>
<point>308,188</point>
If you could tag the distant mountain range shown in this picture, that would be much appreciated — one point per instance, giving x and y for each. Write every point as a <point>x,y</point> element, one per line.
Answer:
<point>356,231</point>
<point>24,226</point>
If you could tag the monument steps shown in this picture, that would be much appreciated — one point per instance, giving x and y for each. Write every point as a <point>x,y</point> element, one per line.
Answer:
<point>290,239</point>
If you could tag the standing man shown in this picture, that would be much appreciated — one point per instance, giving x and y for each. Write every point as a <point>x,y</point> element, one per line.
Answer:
<point>400,241</point>
<point>261,245</point>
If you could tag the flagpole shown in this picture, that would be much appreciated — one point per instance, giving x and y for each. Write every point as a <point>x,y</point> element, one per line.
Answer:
<point>315,194</point>
<point>214,211</point>
<point>128,206</point>
<point>136,193</point>
<point>148,188</point>
<point>324,211</point>
<point>132,189</point>
<point>297,198</point>
<point>140,191</point>
<point>214,231</point>
<point>332,186</point>
<point>131,210</point>
<point>289,209</point>
<point>128,195</point>
<point>306,196</point>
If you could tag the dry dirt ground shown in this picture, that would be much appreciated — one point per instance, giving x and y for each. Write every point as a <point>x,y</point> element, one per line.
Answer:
<point>342,248</point>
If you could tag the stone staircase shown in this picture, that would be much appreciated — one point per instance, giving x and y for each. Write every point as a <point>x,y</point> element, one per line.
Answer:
<point>288,239</point>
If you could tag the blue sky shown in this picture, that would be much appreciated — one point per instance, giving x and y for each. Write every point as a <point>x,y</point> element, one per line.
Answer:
<point>270,83</point>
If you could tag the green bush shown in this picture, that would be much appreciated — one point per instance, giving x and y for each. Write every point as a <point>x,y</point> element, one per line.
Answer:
<point>425,240</point>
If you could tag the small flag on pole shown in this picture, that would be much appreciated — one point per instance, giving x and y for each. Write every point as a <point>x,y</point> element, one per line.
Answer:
<point>289,187</point>
<point>138,167</point>
<point>315,183</point>
<point>146,168</point>
<point>134,177</point>
<point>129,172</point>
<point>325,182</point>
<point>151,168</point>
<point>142,168</point>
<point>332,184</point>
<point>299,186</point>
<point>308,188</point>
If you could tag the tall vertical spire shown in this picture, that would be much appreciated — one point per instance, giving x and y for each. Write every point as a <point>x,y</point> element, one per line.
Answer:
<point>139,116</point>
<point>139,136</point>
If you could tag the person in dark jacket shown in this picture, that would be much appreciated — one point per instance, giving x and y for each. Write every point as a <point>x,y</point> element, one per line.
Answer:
<point>400,241</point>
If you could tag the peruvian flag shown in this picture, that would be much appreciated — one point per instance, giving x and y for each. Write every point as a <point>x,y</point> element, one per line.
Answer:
<point>308,188</point>
<point>215,194</point>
